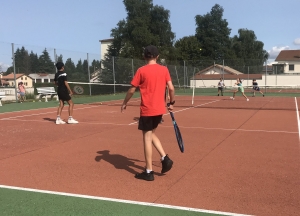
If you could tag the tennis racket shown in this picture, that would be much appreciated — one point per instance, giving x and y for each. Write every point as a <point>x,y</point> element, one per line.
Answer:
<point>177,132</point>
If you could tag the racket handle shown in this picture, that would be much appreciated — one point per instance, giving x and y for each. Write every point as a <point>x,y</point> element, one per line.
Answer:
<point>172,116</point>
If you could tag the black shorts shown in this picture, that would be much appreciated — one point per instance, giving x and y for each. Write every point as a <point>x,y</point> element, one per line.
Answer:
<point>256,88</point>
<point>220,88</point>
<point>148,123</point>
<point>63,94</point>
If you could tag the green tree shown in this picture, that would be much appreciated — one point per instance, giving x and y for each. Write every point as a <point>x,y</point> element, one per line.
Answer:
<point>249,50</point>
<point>22,61</point>
<point>145,24</point>
<point>214,35</point>
<point>70,68</point>
<point>45,63</point>
<point>189,48</point>
<point>34,62</point>
<point>60,58</point>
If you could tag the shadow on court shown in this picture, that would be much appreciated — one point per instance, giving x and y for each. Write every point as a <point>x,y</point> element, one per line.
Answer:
<point>49,119</point>
<point>136,118</point>
<point>119,161</point>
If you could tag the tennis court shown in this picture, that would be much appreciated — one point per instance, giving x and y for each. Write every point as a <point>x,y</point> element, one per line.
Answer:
<point>241,158</point>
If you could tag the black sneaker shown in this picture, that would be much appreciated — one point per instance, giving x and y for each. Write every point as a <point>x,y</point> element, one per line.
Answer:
<point>145,176</point>
<point>166,164</point>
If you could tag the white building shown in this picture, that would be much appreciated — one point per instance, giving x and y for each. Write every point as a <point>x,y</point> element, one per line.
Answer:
<point>42,78</point>
<point>288,62</point>
<point>104,47</point>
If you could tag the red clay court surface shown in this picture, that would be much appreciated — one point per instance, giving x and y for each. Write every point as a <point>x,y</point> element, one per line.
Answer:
<point>240,160</point>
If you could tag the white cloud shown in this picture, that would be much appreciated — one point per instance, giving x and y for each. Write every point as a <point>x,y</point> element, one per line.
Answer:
<point>297,41</point>
<point>3,66</point>
<point>276,50</point>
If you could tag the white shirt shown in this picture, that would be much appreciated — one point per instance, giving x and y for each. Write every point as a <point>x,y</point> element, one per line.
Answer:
<point>221,84</point>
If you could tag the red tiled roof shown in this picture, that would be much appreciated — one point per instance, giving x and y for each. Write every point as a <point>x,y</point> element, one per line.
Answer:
<point>226,69</point>
<point>11,76</point>
<point>288,55</point>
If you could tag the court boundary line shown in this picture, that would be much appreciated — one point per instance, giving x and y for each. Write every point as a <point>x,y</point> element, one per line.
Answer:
<point>41,113</point>
<point>121,201</point>
<point>83,104</point>
<point>188,127</point>
<point>298,120</point>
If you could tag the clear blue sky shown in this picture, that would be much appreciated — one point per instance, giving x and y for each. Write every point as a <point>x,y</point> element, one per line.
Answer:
<point>70,26</point>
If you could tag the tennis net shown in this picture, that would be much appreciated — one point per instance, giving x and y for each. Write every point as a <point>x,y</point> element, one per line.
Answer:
<point>270,90</point>
<point>276,97</point>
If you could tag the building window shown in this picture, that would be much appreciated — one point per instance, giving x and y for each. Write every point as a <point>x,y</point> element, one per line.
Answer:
<point>21,78</point>
<point>291,67</point>
<point>25,78</point>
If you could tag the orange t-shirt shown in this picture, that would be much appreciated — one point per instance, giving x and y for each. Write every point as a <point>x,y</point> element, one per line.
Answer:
<point>152,80</point>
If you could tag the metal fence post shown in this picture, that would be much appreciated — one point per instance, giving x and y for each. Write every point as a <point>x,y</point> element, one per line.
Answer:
<point>14,62</point>
<point>266,77</point>
<point>114,75</point>
<point>88,65</point>
<point>132,68</point>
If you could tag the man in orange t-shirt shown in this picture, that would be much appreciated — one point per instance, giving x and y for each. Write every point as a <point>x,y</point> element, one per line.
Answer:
<point>152,80</point>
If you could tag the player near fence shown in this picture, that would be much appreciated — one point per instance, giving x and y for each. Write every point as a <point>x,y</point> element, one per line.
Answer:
<point>221,86</point>
<point>256,88</point>
<point>21,92</point>
<point>64,93</point>
<point>152,80</point>
<point>240,89</point>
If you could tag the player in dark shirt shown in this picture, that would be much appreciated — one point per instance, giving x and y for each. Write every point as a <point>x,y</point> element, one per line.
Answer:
<point>64,93</point>
<point>256,88</point>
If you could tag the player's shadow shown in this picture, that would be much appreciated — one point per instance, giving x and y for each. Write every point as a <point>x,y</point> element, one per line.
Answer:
<point>50,119</point>
<point>119,161</point>
<point>136,118</point>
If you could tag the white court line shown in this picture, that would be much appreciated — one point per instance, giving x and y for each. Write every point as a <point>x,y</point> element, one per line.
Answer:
<point>233,129</point>
<point>188,127</point>
<point>297,113</point>
<point>35,114</point>
<point>121,201</point>
<point>183,109</point>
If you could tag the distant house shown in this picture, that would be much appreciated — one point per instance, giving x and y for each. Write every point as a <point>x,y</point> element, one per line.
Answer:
<point>95,76</point>
<point>10,80</point>
<point>104,46</point>
<point>42,77</point>
<point>288,62</point>
<point>3,82</point>
<point>268,69</point>
<point>209,76</point>
<point>216,71</point>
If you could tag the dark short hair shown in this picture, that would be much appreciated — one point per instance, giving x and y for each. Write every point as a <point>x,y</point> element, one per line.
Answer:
<point>59,65</point>
<point>151,52</point>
